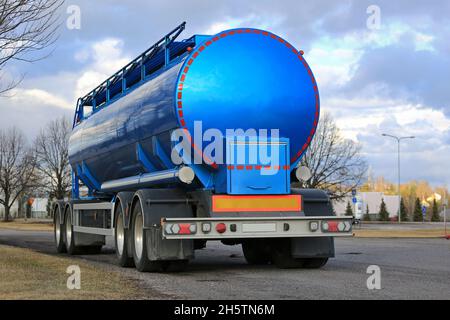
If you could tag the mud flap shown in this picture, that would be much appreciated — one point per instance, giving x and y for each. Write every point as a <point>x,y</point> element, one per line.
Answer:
<point>316,203</point>
<point>162,203</point>
<point>320,247</point>
<point>163,249</point>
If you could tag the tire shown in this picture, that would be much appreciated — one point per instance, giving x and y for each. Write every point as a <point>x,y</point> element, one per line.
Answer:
<point>69,235</point>
<point>121,239</point>
<point>314,263</point>
<point>256,252</point>
<point>139,243</point>
<point>59,234</point>
<point>282,256</point>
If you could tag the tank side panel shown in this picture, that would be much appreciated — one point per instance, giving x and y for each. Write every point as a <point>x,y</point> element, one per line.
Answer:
<point>106,141</point>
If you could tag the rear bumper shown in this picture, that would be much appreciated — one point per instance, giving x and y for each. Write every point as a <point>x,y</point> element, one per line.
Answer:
<point>256,227</point>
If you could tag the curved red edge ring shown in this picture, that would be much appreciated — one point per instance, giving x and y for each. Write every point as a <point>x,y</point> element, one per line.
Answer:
<point>195,53</point>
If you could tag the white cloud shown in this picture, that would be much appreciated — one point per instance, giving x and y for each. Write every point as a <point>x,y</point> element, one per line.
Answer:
<point>38,96</point>
<point>423,41</point>
<point>38,99</point>
<point>82,55</point>
<point>334,60</point>
<point>61,90</point>
<point>365,114</point>
<point>332,67</point>
<point>422,157</point>
<point>107,56</point>
<point>255,21</point>
<point>354,116</point>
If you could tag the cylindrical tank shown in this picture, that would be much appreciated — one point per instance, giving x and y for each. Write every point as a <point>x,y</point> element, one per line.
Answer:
<point>240,78</point>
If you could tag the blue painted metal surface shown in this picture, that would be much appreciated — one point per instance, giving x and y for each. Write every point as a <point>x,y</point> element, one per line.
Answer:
<point>249,173</point>
<point>238,79</point>
<point>143,159</point>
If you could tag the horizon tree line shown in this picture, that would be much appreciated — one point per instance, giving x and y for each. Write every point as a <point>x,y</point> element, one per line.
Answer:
<point>431,214</point>
<point>27,170</point>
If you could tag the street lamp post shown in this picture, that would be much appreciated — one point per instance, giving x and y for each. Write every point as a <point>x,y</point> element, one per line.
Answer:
<point>398,139</point>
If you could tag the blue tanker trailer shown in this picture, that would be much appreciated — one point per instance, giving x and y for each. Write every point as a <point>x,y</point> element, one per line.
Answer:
<point>197,140</point>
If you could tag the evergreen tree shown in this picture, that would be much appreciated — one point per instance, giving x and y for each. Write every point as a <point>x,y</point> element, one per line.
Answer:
<point>349,210</point>
<point>383,214</point>
<point>403,211</point>
<point>435,214</point>
<point>366,216</point>
<point>417,211</point>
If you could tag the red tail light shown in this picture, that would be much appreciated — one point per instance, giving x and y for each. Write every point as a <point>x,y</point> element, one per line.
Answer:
<point>184,228</point>
<point>332,226</point>
<point>221,227</point>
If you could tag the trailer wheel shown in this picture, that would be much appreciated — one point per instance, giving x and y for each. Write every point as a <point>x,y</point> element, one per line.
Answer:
<point>139,244</point>
<point>121,240</point>
<point>69,234</point>
<point>314,263</point>
<point>282,256</point>
<point>59,237</point>
<point>256,252</point>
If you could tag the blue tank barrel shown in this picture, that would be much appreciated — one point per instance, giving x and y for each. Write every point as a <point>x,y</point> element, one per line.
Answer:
<point>240,78</point>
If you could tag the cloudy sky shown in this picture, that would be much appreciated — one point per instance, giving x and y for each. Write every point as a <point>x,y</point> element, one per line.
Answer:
<point>392,79</point>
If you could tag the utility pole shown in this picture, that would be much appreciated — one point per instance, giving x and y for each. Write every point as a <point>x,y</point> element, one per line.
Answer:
<point>398,139</point>
<point>445,217</point>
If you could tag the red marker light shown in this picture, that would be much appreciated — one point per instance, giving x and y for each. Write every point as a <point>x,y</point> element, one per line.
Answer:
<point>221,227</point>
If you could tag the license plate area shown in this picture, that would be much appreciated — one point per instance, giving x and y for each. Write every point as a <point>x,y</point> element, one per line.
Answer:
<point>259,227</point>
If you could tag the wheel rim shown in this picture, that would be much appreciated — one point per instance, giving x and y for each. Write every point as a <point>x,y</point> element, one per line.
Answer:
<point>120,234</point>
<point>68,230</point>
<point>138,236</point>
<point>57,229</point>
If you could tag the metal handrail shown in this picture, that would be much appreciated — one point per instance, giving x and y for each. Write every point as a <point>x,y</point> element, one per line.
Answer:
<point>119,75</point>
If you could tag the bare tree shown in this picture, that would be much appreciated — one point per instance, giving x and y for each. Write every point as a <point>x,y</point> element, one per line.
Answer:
<point>336,163</point>
<point>26,26</point>
<point>53,158</point>
<point>17,168</point>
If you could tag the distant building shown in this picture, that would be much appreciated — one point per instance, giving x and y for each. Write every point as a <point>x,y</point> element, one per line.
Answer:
<point>38,209</point>
<point>364,199</point>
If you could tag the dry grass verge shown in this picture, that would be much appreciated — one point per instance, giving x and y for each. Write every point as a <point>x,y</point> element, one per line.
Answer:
<point>29,225</point>
<point>424,233</point>
<point>26,274</point>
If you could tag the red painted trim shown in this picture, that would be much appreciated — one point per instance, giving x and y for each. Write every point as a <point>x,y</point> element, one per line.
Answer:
<point>258,167</point>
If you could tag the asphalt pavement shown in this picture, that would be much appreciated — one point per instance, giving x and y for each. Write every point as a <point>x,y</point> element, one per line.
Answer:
<point>410,269</point>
